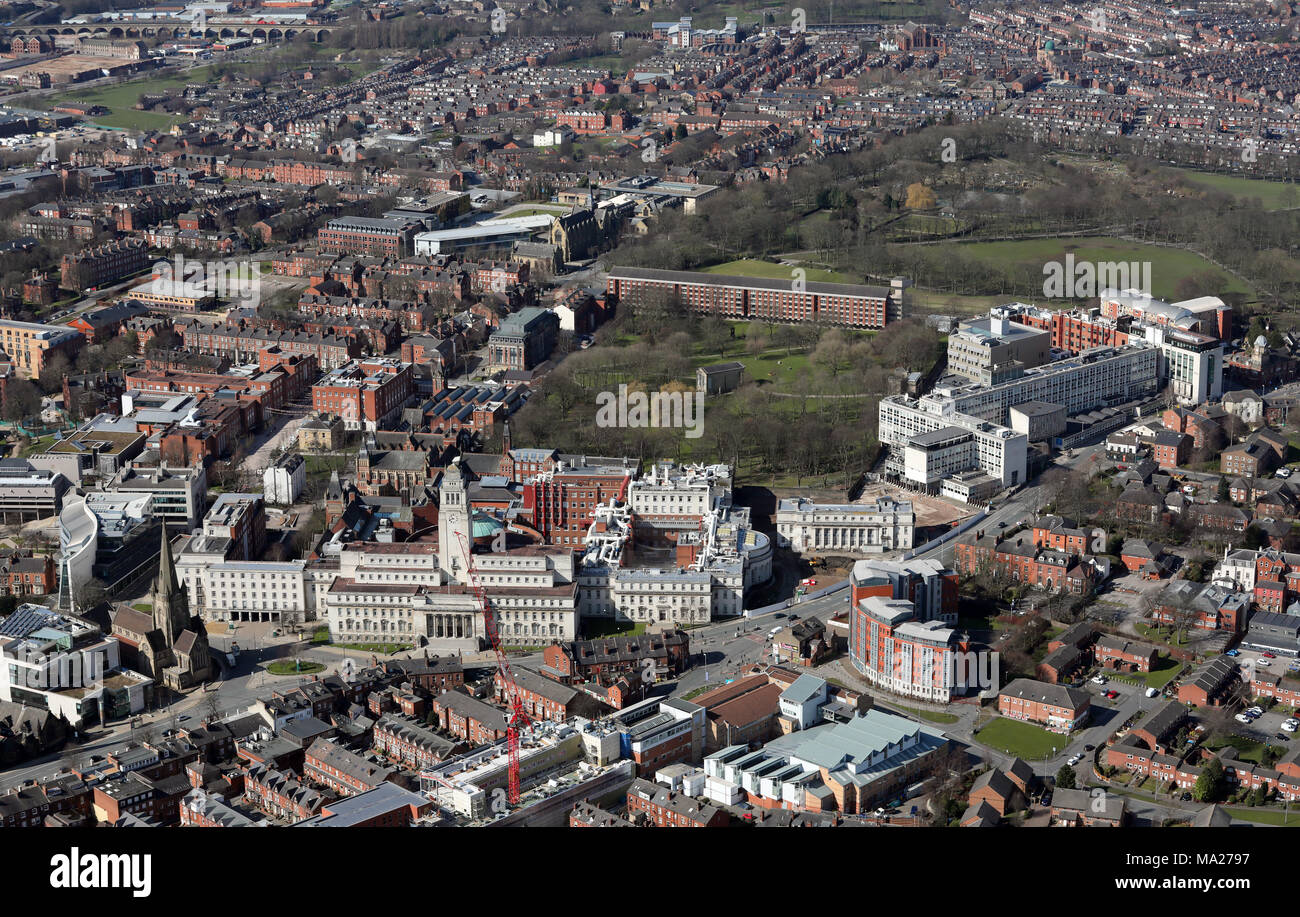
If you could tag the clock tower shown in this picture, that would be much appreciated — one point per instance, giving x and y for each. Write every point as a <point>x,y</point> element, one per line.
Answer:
<point>453,523</point>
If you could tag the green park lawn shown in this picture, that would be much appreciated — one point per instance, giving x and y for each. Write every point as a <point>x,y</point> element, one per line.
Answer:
<point>1168,265</point>
<point>1274,195</point>
<point>1033,743</point>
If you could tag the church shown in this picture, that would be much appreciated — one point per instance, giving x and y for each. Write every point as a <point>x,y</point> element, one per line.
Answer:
<point>170,645</point>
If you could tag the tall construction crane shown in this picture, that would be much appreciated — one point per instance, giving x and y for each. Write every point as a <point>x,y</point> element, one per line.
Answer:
<point>519,718</point>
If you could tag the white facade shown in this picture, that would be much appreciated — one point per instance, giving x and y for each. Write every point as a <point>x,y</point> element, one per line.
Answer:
<point>1237,570</point>
<point>666,491</point>
<point>283,481</point>
<point>997,451</point>
<point>399,593</point>
<point>254,590</point>
<point>868,528</point>
<point>1191,363</point>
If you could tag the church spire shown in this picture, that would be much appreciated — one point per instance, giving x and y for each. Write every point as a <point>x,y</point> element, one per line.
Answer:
<point>170,608</point>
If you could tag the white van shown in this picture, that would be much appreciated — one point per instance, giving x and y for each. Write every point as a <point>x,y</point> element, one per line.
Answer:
<point>1153,692</point>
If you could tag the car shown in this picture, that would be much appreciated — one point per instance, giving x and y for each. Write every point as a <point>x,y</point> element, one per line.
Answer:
<point>182,718</point>
<point>1099,679</point>
<point>1268,655</point>
<point>1089,747</point>
<point>1262,663</point>
<point>1074,759</point>
<point>1047,798</point>
<point>1283,736</point>
<point>1186,797</point>
<point>1283,473</point>
<point>1242,718</point>
<point>1289,727</point>
<point>1233,653</point>
<point>1255,711</point>
<point>1153,692</point>
<point>1112,694</point>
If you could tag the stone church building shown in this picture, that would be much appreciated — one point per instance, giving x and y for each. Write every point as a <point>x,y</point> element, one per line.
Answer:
<point>169,645</point>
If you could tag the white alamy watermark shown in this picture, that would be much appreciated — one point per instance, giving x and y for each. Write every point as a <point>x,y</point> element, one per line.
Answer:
<point>980,669</point>
<point>53,672</point>
<point>1073,279</point>
<point>232,280</point>
<point>662,409</point>
<point>75,869</point>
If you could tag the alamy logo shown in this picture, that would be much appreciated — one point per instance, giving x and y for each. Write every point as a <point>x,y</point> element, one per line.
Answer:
<point>640,409</point>
<point>1085,279</point>
<point>982,670</point>
<point>229,280</point>
<point>498,21</point>
<point>798,20</point>
<point>348,150</point>
<point>43,672</point>
<point>103,870</point>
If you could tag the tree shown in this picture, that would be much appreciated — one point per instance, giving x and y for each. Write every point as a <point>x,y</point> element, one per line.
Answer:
<point>920,197</point>
<point>22,399</point>
<point>1209,786</point>
<point>53,373</point>
<point>165,339</point>
<point>1065,778</point>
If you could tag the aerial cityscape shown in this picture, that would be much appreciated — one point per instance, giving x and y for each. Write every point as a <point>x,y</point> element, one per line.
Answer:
<point>624,413</point>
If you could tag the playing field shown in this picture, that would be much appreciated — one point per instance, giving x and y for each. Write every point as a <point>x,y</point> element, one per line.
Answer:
<point>1168,265</point>
<point>1274,195</point>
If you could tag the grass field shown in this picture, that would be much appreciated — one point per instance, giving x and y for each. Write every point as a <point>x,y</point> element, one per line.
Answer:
<point>930,715</point>
<point>1166,669</point>
<point>594,627</point>
<point>1274,195</point>
<point>749,267</point>
<point>1276,817</point>
<point>1246,749</point>
<point>1024,739</point>
<point>1168,265</point>
<point>121,98</point>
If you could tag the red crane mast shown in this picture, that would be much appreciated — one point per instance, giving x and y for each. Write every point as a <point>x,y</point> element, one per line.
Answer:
<point>519,718</point>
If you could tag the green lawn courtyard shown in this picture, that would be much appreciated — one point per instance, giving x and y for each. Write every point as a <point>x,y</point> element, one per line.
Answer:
<point>1033,743</point>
